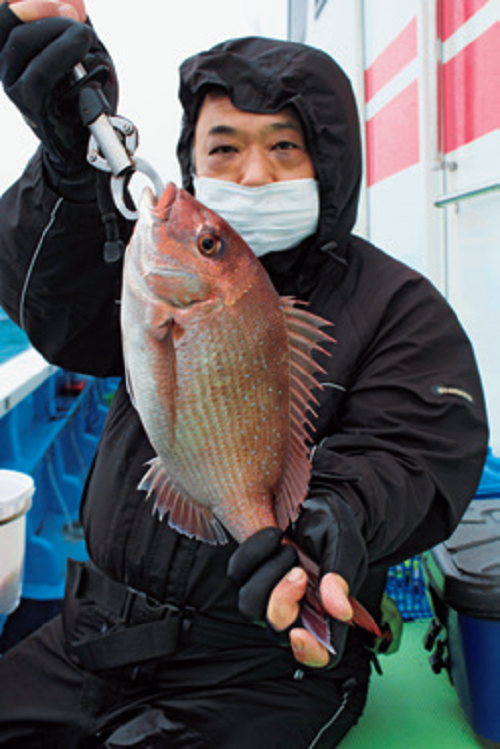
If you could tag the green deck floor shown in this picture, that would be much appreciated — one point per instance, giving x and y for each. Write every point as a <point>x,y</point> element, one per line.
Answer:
<point>410,707</point>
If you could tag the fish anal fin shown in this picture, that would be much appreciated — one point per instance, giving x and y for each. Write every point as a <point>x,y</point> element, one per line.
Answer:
<point>363,618</point>
<point>305,336</point>
<point>181,512</point>
<point>316,622</point>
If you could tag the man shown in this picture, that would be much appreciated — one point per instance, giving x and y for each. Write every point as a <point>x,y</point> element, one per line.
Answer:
<point>165,640</point>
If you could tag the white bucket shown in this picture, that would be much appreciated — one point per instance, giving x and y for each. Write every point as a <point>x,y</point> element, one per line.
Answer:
<point>16,492</point>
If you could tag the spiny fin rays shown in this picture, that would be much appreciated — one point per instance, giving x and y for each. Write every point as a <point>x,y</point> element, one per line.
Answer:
<point>183,513</point>
<point>305,336</point>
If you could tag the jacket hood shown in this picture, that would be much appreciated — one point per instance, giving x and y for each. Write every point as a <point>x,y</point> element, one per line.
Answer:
<point>265,75</point>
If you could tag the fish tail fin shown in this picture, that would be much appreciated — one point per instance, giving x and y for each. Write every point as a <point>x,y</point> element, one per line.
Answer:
<point>362,618</point>
<point>316,621</point>
<point>313,614</point>
<point>314,618</point>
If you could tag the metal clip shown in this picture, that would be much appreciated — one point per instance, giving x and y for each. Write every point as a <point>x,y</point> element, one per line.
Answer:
<point>112,145</point>
<point>119,186</point>
<point>108,151</point>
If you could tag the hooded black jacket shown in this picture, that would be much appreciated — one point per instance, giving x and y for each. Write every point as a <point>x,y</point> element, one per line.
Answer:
<point>401,437</point>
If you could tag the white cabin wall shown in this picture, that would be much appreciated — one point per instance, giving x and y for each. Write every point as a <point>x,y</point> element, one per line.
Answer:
<point>430,114</point>
<point>472,223</point>
<point>338,30</point>
<point>356,34</point>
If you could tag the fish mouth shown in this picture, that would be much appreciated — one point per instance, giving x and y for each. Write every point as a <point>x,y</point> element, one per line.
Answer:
<point>164,206</point>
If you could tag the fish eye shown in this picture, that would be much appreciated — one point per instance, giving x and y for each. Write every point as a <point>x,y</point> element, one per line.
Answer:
<point>209,244</point>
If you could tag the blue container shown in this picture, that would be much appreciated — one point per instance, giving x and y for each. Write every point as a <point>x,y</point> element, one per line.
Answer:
<point>406,586</point>
<point>489,486</point>
<point>463,577</point>
<point>12,339</point>
<point>52,434</point>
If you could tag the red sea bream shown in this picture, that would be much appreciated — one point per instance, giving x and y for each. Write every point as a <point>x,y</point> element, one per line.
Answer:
<point>220,369</point>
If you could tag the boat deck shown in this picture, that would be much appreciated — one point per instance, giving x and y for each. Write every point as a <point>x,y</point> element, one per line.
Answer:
<point>410,707</point>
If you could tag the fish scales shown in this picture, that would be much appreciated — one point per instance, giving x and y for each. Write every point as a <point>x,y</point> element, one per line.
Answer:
<point>212,430</point>
<point>223,424</point>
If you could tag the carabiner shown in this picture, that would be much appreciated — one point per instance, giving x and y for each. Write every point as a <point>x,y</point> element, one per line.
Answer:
<point>119,186</point>
<point>112,143</point>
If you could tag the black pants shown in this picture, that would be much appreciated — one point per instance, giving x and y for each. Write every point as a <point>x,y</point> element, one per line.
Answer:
<point>47,701</point>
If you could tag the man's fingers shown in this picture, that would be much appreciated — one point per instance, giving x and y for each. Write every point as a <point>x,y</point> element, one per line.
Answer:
<point>335,597</point>
<point>284,609</point>
<point>334,592</point>
<point>34,10</point>
<point>284,602</point>
<point>307,650</point>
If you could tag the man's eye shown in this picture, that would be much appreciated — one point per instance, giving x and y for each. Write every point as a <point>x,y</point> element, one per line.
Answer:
<point>287,145</point>
<point>222,149</point>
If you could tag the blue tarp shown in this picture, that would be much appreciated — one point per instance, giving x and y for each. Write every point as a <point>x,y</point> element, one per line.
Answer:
<point>489,486</point>
<point>12,339</point>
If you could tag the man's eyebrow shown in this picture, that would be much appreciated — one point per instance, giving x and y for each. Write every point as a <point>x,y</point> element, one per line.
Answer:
<point>288,124</point>
<point>222,130</point>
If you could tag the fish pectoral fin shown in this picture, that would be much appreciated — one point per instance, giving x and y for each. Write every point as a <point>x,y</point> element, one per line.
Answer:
<point>170,381</point>
<point>183,514</point>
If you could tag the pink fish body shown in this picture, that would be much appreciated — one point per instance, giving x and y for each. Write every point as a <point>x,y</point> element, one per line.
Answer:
<point>220,369</point>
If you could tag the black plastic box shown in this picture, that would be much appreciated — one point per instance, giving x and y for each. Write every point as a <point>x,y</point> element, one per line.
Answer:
<point>463,578</point>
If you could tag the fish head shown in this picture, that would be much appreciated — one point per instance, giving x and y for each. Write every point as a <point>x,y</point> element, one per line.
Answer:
<point>186,254</point>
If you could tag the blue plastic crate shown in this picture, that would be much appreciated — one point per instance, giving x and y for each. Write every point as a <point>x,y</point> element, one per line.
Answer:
<point>489,486</point>
<point>406,585</point>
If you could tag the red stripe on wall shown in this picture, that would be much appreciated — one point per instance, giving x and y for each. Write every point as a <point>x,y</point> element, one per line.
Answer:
<point>471,86</point>
<point>392,136</point>
<point>401,51</point>
<point>454,13</point>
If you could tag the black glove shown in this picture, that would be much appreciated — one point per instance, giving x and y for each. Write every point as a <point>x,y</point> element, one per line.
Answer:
<point>36,60</point>
<point>257,565</point>
<point>326,531</point>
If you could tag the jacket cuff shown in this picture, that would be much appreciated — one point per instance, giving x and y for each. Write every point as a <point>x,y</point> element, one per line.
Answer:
<point>8,22</point>
<point>327,531</point>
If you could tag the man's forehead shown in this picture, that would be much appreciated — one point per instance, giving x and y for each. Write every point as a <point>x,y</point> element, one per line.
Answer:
<point>217,113</point>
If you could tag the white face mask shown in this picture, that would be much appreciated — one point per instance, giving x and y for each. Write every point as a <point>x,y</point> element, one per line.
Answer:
<point>270,217</point>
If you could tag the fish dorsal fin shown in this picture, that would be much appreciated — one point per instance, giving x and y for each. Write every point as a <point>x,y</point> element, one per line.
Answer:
<point>183,513</point>
<point>305,336</point>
